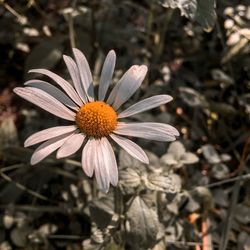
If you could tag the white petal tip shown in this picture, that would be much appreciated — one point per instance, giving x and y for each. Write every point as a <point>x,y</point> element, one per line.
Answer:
<point>32,162</point>
<point>89,174</point>
<point>65,57</point>
<point>27,143</point>
<point>176,133</point>
<point>112,52</point>
<point>171,139</point>
<point>169,98</point>
<point>75,50</point>
<point>114,183</point>
<point>32,71</point>
<point>58,155</point>
<point>144,159</point>
<point>17,90</point>
<point>143,69</point>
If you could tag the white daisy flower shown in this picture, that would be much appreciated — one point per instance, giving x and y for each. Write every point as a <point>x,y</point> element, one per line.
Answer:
<point>95,121</point>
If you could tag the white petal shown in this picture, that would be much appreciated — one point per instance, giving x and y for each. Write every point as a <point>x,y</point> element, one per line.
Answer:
<point>85,73</point>
<point>61,82</point>
<point>75,76</point>
<point>46,102</point>
<point>99,156</point>
<point>48,133</point>
<point>106,75</point>
<point>145,104</point>
<point>127,85</point>
<point>53,91</point>
<point>71,145</point>
<point>147,130</point>
<point>133,149</point>
<point>105,165</point>
<point>109,158</point>
<point>101,170</point>
<point>48,147</point>
<point>88,156</point>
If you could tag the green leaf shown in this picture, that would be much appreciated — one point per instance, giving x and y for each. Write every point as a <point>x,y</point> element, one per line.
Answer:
<point>45,55</point>
<point>206,14</point>
<point>142,225</point>
<point>102,211</point>
<point>202,11</point>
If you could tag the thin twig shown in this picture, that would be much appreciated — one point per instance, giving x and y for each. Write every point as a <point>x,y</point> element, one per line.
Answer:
<point>236,189</point>
<point>73,162</point>
<point>71,26</point>
<point>12,167</point>
<point>162,34</point>
<point>223,43</point>
<point>242,162</point>
<point>149,25</point>
<point>71,31</point>
<point>93,34</point>
<point>65,173</point>
<point>219,183</point>
<point>184,243</point>
<point>66,237</point>
<point>36,6</point>
<point>19,17</point>
<point>22,187</point>
<point>39,209</point>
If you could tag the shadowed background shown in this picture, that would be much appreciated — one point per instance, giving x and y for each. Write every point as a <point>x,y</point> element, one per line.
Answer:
<point>195,193</point>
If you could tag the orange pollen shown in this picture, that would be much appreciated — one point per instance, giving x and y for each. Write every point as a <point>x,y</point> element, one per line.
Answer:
<point>96,119</point>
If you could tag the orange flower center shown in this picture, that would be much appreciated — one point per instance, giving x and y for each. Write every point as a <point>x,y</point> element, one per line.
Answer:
<point>96,119</point>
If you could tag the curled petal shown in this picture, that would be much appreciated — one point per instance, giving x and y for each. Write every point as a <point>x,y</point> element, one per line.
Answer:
<point>70,146</point>
<point>145,104</point>
<point>85,73</point>
<point>61,82</point>
<point>46,102</point>
<point>48,147</point>
<point>133,149</point>
<point>53,91</point>
<point>75,76</point>
<point>106,75</point>
<point>127,85</point>
<point>47,134</point>
<point>147,130</point>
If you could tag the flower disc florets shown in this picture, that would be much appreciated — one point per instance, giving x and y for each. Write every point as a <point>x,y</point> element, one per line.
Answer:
<point>96,119</point>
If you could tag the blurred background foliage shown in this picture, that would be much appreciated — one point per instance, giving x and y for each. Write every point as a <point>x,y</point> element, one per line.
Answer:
<point>195,192</point>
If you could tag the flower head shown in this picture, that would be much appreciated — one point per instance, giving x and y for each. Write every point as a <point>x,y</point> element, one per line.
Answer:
<point>177,156</point>
<point>95,121</point>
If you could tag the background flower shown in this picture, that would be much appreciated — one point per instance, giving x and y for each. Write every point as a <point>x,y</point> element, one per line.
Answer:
<point>177,156</point>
